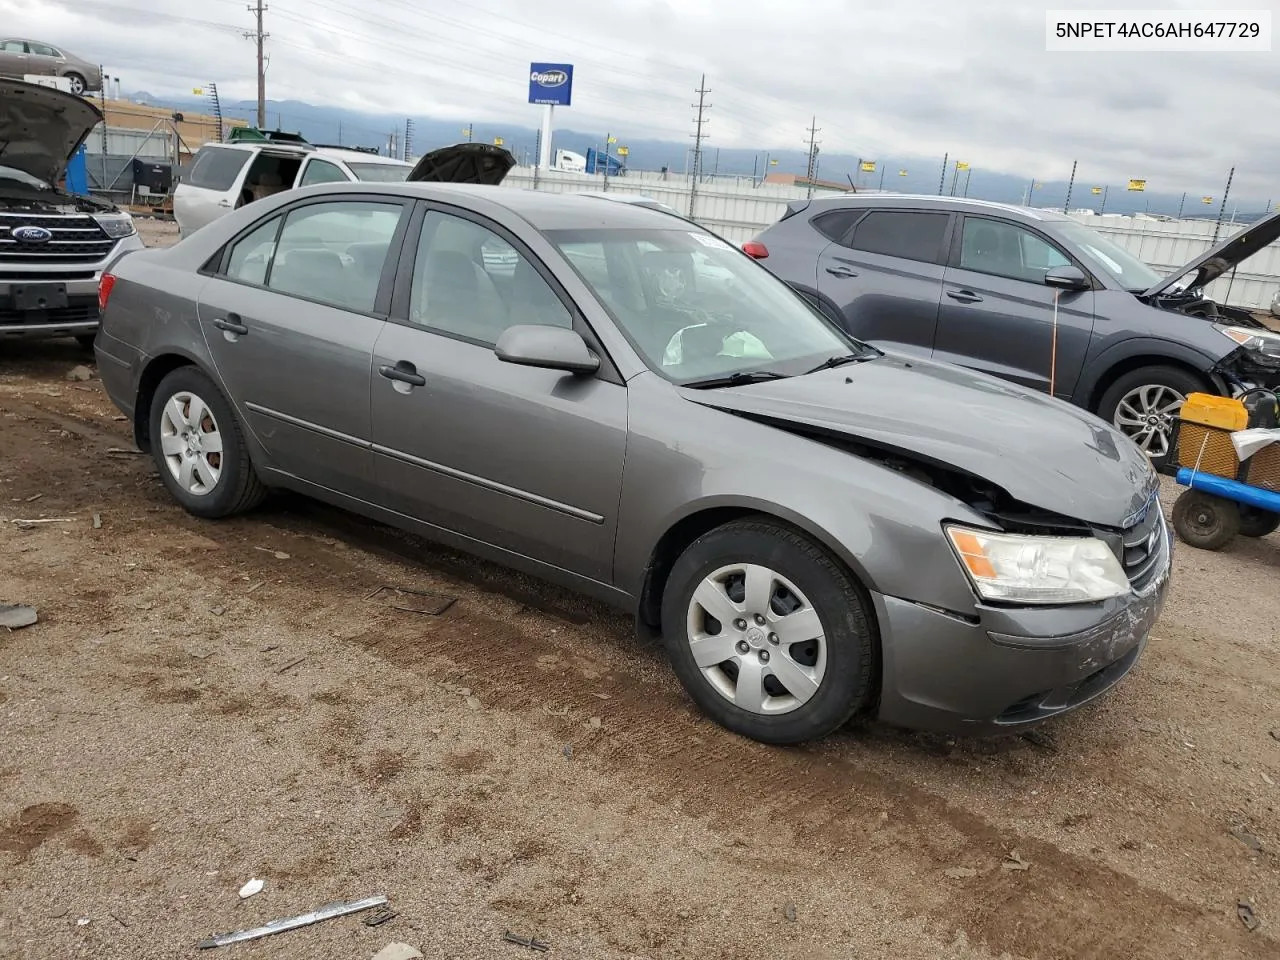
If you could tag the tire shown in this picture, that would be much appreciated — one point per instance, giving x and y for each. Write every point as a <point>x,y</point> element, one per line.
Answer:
<point>1159,382</point>
<point>1205,521</point>
<point>86,341</point>
<point>834,664</point>
<point>1258,523</point>
<point>235,487</point>
<point>77,83</point>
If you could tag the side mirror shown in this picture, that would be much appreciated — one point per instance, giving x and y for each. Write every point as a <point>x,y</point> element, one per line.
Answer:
<point>552,348</point>
<point>1066,278</point>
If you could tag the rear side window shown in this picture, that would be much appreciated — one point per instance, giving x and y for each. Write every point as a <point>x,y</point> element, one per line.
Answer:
<point>216,168</point>
<point>907,234</point>
<point>836,225</point>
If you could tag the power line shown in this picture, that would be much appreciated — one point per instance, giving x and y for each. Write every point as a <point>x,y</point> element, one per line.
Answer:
<point>813,153</point>
<point>259,37</point>
<point>698,137</point>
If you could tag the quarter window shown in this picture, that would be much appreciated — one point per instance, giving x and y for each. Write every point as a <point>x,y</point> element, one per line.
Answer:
<point>470,282</point>
<point>836,225</point>
<point>1006,250</point>
<point>906,234</point>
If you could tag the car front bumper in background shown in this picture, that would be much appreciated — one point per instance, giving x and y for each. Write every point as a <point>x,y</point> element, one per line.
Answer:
<point>1014,667</point>
<point>78,317</point>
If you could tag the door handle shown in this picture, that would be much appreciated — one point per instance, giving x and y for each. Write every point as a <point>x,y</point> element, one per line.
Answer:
<point>403,372</point>
<point>841,272</point>
<point>224,203</point>
<point>231,324</point>
<point>964,296</point>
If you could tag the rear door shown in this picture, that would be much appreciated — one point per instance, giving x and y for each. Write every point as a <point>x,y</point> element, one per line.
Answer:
<point>291,317</point>
<point>210,187</point>
<point>884,274</point>
<point>999,316</point>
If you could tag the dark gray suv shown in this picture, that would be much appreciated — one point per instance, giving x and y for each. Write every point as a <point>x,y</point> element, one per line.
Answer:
<point>1029,296</point>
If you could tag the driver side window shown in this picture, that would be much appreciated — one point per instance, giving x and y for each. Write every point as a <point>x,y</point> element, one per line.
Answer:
<point>1007,250</point>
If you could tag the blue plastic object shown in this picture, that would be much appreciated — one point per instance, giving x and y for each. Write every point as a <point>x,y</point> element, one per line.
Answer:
<point>1229,489</point>
<point>78,174</point>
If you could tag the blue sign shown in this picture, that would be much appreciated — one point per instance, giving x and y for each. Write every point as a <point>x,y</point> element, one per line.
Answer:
<point>551,83</point>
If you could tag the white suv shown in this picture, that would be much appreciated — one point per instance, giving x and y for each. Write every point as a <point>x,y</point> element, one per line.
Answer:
<point>224,176</point>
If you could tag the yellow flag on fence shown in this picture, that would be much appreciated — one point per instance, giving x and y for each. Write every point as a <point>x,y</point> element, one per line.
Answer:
<point>1137,184</point>
<point>868,166</point>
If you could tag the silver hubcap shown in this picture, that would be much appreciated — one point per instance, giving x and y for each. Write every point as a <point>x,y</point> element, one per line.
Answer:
<point>1146,416</point>
<point>757,639</point>
<point>191,443</point>
<point>77,85</point>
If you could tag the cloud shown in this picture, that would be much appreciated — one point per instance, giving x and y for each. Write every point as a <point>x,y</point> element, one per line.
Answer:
<point>918,78</point>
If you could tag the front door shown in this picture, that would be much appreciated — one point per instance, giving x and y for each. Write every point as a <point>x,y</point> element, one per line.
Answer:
<point>885,277</point>
<point>999,316</point>
<point>525,459</point>
<point>291,320</point>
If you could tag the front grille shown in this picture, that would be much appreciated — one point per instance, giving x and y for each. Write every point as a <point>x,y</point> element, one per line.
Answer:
<point>77,310</point>
<point>1141,546</point>
<point>75,240</point>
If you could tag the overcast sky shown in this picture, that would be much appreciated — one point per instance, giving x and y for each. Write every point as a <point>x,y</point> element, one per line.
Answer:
<point>916,77</point>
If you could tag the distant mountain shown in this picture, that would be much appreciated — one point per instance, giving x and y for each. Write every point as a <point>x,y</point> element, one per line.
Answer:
<point>334,125</point>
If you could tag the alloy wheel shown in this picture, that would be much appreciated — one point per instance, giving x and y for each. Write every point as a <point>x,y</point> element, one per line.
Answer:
<point>757,639</point>
<point>1145,415</point>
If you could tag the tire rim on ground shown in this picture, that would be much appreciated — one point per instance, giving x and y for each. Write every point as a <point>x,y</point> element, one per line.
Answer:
<point>757,639</point>
<point>191,443</point>
<point>1145,415</point>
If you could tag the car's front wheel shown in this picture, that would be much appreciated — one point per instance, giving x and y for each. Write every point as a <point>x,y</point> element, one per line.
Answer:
<point>199,447</point>
<point>770,635</point>
<point>1143,404</point>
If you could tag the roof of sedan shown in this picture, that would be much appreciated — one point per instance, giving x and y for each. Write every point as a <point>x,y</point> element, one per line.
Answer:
<point>553,211</point>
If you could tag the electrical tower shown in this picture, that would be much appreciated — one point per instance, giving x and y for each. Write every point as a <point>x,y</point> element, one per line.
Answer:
<point>408,137</point>
<point>813,153</point>
<point>258,36</point>
<point>698,137</point>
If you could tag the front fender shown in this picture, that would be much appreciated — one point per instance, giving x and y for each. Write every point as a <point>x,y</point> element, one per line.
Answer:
<point>1098,370</point>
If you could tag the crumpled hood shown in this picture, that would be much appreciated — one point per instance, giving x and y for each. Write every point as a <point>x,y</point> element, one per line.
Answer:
<point>1229,253</point>
<point>41,128</point>
<point>1044,452</point>
<point>481,163</point>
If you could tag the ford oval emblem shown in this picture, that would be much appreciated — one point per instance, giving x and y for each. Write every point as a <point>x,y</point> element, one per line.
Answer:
<point>31,234</point>
<point>550,78</point>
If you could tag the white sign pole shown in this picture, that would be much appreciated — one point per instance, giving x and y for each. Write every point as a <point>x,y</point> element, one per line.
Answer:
<point>544,152</point>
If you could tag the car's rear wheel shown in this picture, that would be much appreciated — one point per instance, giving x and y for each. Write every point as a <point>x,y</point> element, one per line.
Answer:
<point>199,447</point>
<point>77,83</point>
<point>1144,403</point>
<point>769,634</point>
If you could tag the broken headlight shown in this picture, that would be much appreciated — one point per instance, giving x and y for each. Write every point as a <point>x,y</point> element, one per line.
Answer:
<point>1266,342</point>
<point>116,225</point>
<point>1014,568</point>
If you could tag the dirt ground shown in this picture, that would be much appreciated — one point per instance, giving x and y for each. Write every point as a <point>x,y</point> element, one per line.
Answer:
<point>205,703</point>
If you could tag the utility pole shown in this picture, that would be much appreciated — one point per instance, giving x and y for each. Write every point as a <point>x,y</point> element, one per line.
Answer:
<point>408,137</point>
<point>967,174</point>
<point>259,37</point>
<point>698,137</point>
<point>339,133</point>
<point>811,170</point>
<point>943,179</point>
<point>1223,209</point>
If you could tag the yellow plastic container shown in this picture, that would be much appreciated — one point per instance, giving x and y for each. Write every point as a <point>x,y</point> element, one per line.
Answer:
<point>1204,434</point>
<point>1209,410</point>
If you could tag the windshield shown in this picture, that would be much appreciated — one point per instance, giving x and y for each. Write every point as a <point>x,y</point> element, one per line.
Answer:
<point>1126,269</point>
<point>696,308</point>
<point>379,172</point>
<point>26,179</point>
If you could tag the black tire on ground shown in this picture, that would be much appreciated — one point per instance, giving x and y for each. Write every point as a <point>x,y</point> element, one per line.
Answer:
<point>1176,378</point>
<point>852,666</point>
<point>238,488</point>
<point>1258,523</point>
<point>77,83</point>
<point>86,341</point>
<point>1205,521</point>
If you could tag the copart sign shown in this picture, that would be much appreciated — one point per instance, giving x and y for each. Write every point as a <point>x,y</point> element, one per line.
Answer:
<point>551,83</point>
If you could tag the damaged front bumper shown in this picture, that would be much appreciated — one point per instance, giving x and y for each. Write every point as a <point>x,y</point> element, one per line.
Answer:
<point>1010,668</point>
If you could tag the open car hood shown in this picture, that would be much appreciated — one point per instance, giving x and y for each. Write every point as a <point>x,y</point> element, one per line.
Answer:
<point>1230,252</point>
<point>464,163</point>
<point>41,128</point>
<point>1040,451</point>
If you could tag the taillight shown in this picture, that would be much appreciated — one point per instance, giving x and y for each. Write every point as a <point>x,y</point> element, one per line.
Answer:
<point>104,291</point>
<point>755,249</point>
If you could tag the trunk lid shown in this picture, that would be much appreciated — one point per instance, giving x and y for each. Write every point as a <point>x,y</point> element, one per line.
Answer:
<point>481,163</point>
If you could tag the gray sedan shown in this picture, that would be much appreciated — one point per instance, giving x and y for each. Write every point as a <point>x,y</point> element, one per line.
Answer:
<point>817,528</point>
<point>19,58</point>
